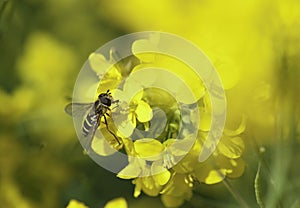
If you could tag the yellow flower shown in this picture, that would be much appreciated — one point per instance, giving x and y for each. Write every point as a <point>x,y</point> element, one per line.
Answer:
<point>167,72</point>
<point>151,185</point>
<point>225,161</point>
<point>105,143</point>
<point>111,72</point>
<point>190,160</point>
<point>106,71</point>
<point>76,204</point>
<point>145,166</point>
<point>116,203</point>
<point>177,190</point>
<point>136,109</point>
<point>216,169</point>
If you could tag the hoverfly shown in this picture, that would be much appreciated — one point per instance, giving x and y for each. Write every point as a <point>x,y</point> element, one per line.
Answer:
<point>95,111</point>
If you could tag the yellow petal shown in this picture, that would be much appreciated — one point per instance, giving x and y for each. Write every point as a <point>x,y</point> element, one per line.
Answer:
<point>178,187</point>
<point>105,134</point>
<point>235,167</point>
<point>124,125</point>
<point>143,112</point>
<point>215,176</point>
<point>146,45</point>
<point>138,187</point>
<point>118,94</point>
<point>98,63</point>
<point>138,81</point>
<point>132,89</point>
<point>238,168</point>
<point>132,170</point>
<point>201,171</point>
<point>109,80</point>
<point>118,202</point>
<point>101,147</point>
<point>76,204</point>
<point>188,78</point>
<point>237,131</point>
<point>140,46</point>
<point>150,187</point>
<point>125,65</point>
<point>231,147</point>
<point>173,76</point>
<point>148,148</point>
<point>173,66</point>
<point>162,178</point>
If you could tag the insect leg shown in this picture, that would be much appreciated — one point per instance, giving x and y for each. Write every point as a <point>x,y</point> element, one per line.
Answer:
<point>112,133</point>
<point>115,101</point>
<point>117,104</point>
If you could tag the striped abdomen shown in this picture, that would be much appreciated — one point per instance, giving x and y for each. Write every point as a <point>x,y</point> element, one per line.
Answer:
<point>90,123</point>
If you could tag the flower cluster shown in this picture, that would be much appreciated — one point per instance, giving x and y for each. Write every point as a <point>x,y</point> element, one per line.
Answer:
<point>161,134</point>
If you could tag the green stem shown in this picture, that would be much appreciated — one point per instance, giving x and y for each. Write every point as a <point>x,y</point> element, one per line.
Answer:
<point>235,194</point>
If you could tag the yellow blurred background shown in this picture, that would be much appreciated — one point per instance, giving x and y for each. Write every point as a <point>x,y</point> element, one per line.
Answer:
<point>254,45</point>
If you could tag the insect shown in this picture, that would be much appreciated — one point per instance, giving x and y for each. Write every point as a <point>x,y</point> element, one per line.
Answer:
<point>94,112</point>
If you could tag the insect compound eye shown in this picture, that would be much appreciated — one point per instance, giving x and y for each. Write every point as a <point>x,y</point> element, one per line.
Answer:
<point>105,100</point>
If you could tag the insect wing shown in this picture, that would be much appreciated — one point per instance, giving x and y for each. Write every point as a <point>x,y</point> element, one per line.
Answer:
<point>78,109</point>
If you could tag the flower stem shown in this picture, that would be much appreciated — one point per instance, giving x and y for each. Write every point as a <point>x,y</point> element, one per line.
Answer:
<point>235,194</point>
